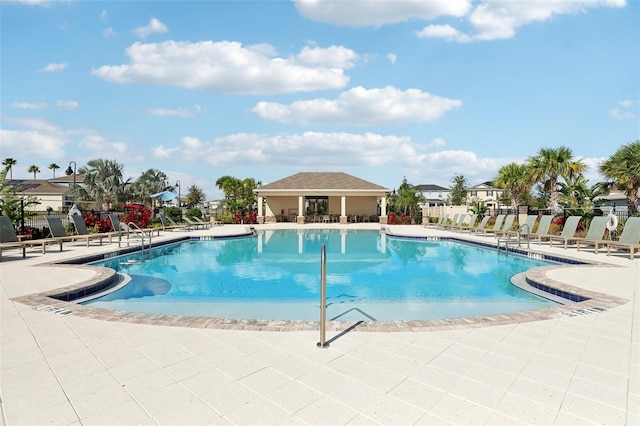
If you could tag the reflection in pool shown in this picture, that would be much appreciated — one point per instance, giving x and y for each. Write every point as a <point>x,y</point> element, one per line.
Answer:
<point>276,275</point>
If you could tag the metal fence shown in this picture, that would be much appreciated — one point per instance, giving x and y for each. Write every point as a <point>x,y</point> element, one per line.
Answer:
<point>622,214</point>
<point>38,221</point>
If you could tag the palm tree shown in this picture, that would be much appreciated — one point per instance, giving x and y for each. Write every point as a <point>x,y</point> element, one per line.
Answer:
<point>151,182</point>
<point>227,184</point>
<point>549,165</point>
<point>103,182</point>
<point>247,196</point>
<point>623,168</point>
<point>579,196</point>
<point>239,195</point>
<point>54,167</point>
<point>407,199</point>
<point>33,169</point>
<point>9,163</point>
<point>577,192</point>
<point>517,179</point>
<point>195,195</point>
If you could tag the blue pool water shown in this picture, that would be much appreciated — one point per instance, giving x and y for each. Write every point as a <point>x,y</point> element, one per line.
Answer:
<point>276,275</point>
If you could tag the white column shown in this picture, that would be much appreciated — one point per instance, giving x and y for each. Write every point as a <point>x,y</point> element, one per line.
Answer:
<point>301,209</point>
<point>383,206</point>
<point>260,200</point>
<point>343,209</point>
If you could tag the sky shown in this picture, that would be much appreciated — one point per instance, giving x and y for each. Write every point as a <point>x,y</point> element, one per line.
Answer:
<point>382,90</point>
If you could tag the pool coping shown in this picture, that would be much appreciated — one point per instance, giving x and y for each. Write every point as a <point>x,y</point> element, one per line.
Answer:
<point>537,277</point>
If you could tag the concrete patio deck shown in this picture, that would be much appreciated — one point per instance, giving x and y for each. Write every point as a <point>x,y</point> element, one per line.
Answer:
<point>581,368</point>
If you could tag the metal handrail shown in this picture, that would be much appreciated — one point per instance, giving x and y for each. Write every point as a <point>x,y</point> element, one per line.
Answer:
<point>137,230</point>
<point>323,298</point>
<point>520,229</point>
<point>519,233</point>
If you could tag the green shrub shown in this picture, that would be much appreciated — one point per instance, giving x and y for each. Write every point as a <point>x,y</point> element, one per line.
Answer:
<point>193,212</point>
<point>175,213</point>
<point>225,218</point>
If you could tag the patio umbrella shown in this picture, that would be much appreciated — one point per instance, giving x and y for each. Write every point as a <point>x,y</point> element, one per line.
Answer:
<point>164,195</point>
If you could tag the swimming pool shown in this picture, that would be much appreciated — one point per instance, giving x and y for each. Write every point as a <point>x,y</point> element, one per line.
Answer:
<point>276,275</point>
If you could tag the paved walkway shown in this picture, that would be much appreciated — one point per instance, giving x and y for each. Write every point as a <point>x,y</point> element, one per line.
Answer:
<point>74,370</point>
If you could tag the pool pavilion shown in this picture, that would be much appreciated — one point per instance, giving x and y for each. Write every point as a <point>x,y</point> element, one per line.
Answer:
<point>322,197</point>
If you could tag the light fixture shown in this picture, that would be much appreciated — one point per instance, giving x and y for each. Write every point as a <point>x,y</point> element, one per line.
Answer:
<point>178,185</point>
<point>72,171</point>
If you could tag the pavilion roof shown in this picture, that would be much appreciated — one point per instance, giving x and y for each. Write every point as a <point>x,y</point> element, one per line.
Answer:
<point>322,181</point>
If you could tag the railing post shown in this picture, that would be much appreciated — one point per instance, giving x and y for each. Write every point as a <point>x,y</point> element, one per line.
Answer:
<point>323,298</point>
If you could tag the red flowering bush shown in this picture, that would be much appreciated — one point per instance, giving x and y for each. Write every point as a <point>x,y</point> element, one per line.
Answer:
<point>140,216</point>
<point>251,218</point>
<point>95,224</point>
<point>394,219</point>
<point>33,233</point>
<point>558,220</point>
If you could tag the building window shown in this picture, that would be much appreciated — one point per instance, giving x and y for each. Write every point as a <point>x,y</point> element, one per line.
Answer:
<point>474,193</point>
<point>489,193</point>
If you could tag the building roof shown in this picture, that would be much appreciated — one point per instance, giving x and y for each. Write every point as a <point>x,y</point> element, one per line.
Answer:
<point>67,179</point>
<point>37,187</point>
<point>431,187</point>
<point>322,181</point>
<point>485,185</point>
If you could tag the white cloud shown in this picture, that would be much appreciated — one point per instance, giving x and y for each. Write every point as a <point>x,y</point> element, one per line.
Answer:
<point>446,32</point>
<point>310,148</point>
<point>624,110</point>
<point>103,14</point>
<point>97,146</point>
<point>422,162</point>
<point>42,3</point>
<point>34,137</point>
<point>437,143</point>
<point>32,143</point>
<point>378,13</point>
<point>36,124</point>
<point>386,106</point>
<point>439,167</point>
<point>164,112</point>
<point>68,105</point>
<point>162,152</point>
<point>29,105</point>
<point>331,57</point>
<point>392,58</point>
<point>229,67</point>
<point>153,27</point>
<point>109,32</point>
<point>55,67</point>
<point>499,19</point>
<point>592,174</point>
